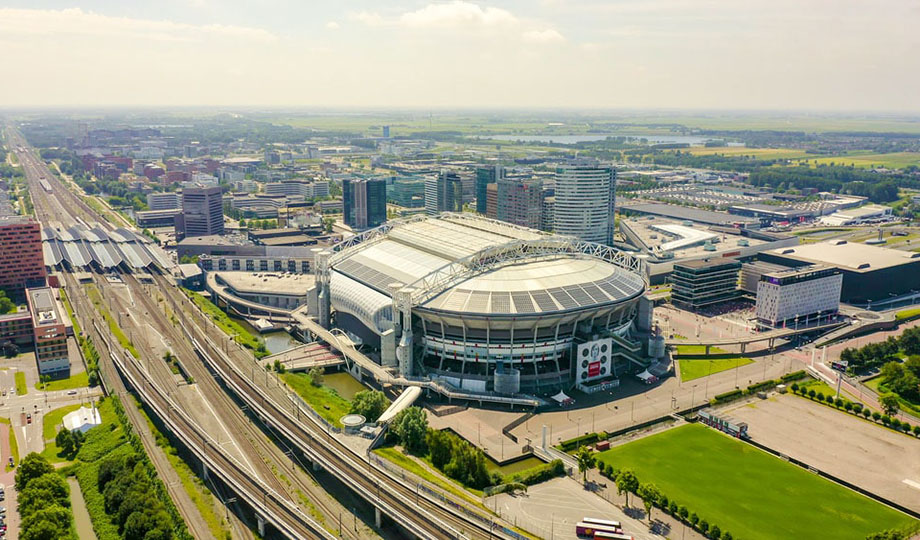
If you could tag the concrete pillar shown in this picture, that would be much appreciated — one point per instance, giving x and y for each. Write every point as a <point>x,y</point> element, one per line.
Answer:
<point>321,258</point>
<point>743,347</point>
<point>260,525</point>
<point>378,517</point>
<point>204,470</point>
<point>404,350</point>
<point>316,466</point>
<point>707,350</point>
<point>543,444</point>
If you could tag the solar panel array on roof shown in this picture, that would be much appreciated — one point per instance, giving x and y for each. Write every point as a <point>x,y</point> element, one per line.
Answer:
<point>501,303</point>
<point>522,302</point>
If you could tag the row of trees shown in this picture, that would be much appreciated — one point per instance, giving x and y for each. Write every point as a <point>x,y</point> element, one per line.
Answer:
<point>626,482</point>
<point>43,501</point>
<point>126,483</point>
<point>889,403</point>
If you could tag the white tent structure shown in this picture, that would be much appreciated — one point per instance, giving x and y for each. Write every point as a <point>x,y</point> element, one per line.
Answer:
<point>647,377</point>
<point>82,419</point>
<point>562,399</point>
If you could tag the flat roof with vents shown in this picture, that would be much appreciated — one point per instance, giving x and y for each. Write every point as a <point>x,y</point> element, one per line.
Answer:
<point>855,257</point>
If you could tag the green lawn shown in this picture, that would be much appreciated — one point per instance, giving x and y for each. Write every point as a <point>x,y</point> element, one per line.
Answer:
<point>905,314</point>
<point>324,400</point>
<point>14,446</point>
<point>700,367</point>
<point>51,423</point>
<point>876,384</point>
<point>698,349</point>
<point>748,492</point>
<point>80,380</point>
<point>21,387</point>
<point>395,456</point>
<point>228,325</point>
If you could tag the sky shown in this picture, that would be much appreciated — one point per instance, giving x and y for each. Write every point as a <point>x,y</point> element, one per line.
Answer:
<point>822,55</point>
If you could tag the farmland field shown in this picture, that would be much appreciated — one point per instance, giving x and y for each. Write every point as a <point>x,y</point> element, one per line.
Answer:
<point>761,153</point>
<point>894,160</point>
<point>747,491</point>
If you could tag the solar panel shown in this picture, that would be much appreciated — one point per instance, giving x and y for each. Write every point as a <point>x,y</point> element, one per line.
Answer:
<point>611,289</point>
<point>595,292</point>
<point>563,298</point>
<point>543,300</point>
<point>579,295</point>
<point>522,302</point>
<point>501,302</point>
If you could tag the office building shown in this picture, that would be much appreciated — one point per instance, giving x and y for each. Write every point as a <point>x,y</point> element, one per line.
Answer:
<point>520,201</point>
<point>407,191</point>
<point>22,262</point>
<point>151,219</point>
<point>443,193</point>
<point>364,202</point>
<point>549,212</point>
<point>49,331</point>
<point>797,295</point>
<point>202,213</point>
<point>492,201</point>
<point>297,188</point>
<point>585,201</point>
<point>484,177</point>
<point>164,201</point>
<point>700,283</point>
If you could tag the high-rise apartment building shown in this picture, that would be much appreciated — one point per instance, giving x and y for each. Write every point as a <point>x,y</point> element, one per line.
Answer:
<point>484,177</point>
<point>585,201</point>
<point>520,200</point>
<point>202,212</point>
<point>443,193</point>
<point>22,263</point>
<point>365,202</point>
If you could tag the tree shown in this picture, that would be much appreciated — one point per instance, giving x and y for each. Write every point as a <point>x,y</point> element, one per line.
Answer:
<point>440,446</point>
<point>650,496</point>
<point>812,394</point>
<point>876,416</point>
<point>32,466</point>
<point>916,430</point>
<point>715,532</point>
<point>890,534</point>
<point>316,376</point>
<point>684,513</point>
<point>848,406</point>
<point>794,388</point>
<point>704,526</point>
<point>866,412</point>
<point>889,403</point>
<point>65,441</point>
<point>626,483</point>
<point>586,460</point>
<point>674,509</point>
<point>370,404</point>
<point>410,426</point>
<point>727,536</point>
<point>694,519</point>
<point>6,305</point>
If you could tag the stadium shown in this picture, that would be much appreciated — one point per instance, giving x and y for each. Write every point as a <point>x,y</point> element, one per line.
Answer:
<point>483,305</point>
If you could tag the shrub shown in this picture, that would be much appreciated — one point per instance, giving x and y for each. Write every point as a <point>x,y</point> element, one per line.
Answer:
<point>794,388</point>
<point>535,475</point>
<point>848,406</point>
<point>876,416</point>
<point>715,532</point>
<point>694,519</point>
<point>857,407</point>
<point>829,399</point>
<point>794,376</point>
<point>895,423</point>
<point>582,440</point>
<point>728,396</point>
<point>819,395</point>
<point>811,394</point>
<point>756,387</point>
<point>704,526</point>
<point>673,509</point>
<point>839,403</point>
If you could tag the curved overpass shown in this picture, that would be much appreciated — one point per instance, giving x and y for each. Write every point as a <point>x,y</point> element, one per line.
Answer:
<point>242,307</point>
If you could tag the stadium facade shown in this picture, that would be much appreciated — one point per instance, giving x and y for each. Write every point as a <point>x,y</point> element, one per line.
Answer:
<point>481,304</point>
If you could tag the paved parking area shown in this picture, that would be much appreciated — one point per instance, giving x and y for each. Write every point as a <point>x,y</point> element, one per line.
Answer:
<point>551,510</point>
<point>872,457</point>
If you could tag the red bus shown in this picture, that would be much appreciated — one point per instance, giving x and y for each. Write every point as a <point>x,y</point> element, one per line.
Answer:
<point>600,535</point>
<point>590,530</point>
<point>604,522</point>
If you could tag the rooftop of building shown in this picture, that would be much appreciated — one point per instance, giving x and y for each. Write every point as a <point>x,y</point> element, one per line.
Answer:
<point>699,264</point>
<point>851,256</point>
<point>289,240</point>
<point>215,240</point>
<point>659,235</point>
<point>783,272</point>
<point>268,282</point>
<point>867,210</point>
<point>7,220</point>
<point>42,306</point>
<point>688,213</point>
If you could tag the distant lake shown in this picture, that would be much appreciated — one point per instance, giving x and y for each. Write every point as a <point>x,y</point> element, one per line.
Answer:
<point>572,139</point>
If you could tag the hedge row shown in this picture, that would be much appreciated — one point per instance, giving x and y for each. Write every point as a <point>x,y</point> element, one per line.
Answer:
<point>582,440</point>
<point>535,475</point>
<point>728,396</point>
<point>754,388</point>
<point>794,376</point>
<point>856,409</point>
<point>665,504</point>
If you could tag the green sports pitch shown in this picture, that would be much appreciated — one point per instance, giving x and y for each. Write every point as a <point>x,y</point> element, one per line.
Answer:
<point>748,492</point>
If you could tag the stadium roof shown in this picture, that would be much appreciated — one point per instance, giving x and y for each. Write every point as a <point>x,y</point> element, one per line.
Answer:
<point>416,250</point>
<point>855,257</point>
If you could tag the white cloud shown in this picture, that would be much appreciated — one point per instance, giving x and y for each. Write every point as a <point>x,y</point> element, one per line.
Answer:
<point>75,21</point>
<point>332,25</point>
<point>457,13</point>
<point>543,36</point>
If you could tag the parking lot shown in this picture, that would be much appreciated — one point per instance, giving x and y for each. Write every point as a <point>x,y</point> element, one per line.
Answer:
<point>870,456</point>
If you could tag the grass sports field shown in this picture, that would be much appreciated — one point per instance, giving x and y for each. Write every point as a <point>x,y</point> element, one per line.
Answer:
<point>894,160</point>
<point>734,151</point>
<point>694,368</point>
<point>748,492</point>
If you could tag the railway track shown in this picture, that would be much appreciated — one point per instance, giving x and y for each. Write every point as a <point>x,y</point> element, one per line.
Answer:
<point>271,402</point>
